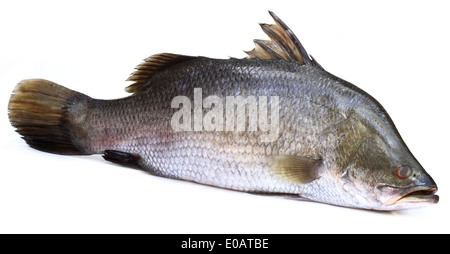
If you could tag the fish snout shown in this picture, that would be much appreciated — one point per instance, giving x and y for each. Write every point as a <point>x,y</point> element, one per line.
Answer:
<point>421,192</point>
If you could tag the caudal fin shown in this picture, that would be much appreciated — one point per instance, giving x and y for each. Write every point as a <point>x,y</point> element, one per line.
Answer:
<point>39,110</point>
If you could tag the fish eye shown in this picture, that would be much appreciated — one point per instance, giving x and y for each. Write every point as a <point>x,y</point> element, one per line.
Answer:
<point>403,172</point>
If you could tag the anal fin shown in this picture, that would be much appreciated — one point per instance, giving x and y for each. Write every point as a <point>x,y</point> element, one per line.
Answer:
<point>123,158</point>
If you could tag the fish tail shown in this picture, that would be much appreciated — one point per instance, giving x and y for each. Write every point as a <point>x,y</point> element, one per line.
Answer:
<point>44,113</point>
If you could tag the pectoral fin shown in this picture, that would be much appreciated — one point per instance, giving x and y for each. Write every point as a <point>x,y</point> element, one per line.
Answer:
<point>296,169</point>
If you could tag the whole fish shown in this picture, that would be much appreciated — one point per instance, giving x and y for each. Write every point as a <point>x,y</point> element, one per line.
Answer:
<point>273,123</point>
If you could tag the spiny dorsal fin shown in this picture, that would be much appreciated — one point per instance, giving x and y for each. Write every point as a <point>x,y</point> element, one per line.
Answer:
<point>283,44</point>
<point>152,65</point>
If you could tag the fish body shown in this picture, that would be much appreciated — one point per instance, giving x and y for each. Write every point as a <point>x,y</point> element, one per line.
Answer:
<point>274,123</point>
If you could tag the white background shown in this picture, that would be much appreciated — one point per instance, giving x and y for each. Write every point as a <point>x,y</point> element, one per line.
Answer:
<point>398,51</point>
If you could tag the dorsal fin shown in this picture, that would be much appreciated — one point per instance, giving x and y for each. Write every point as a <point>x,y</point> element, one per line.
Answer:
<point>283,44</point>
<point>152,65</point>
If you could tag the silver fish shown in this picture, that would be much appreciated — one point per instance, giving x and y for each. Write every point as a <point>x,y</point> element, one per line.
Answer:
<point>273,123</point>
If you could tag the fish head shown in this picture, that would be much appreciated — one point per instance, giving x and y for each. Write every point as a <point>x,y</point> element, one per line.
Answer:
<point>380,172</point>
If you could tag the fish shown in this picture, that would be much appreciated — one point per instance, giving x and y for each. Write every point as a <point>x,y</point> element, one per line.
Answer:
<point>273,123</point>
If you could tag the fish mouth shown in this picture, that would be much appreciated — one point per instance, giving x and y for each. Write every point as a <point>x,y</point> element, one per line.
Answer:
<point>416,196</point>
<point>421,194</point>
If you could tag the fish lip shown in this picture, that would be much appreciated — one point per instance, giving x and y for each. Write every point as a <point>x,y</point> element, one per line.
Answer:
<point>421,194</point>
<point>413,195</point>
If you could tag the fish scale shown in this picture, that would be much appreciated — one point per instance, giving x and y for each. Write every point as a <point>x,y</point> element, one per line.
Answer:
<point>239,162</point>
